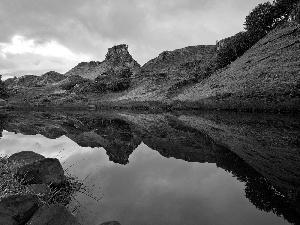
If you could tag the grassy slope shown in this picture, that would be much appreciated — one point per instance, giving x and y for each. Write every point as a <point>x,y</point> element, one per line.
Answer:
<point>266,77</point>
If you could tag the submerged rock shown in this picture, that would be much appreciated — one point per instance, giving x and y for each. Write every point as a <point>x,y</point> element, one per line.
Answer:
<point>111,223</point>
<point>53,214</point>
<point>17,209</point>
<point>45,171</point>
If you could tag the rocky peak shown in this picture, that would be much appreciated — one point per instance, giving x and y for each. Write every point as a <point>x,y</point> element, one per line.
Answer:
<point>117,51</point>
<point>116,59</point>
<point>90,64</point>
<point>119,56</point>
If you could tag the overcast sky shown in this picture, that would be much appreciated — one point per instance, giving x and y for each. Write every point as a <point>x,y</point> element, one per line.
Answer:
<point>37,36</point>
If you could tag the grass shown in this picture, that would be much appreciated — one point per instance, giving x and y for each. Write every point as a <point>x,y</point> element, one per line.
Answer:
<point>8,184</point>
<point>52,194</point>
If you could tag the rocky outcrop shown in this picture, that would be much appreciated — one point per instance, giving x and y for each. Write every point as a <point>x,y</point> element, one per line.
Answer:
<point>117,58</point>
<point>166,74</point>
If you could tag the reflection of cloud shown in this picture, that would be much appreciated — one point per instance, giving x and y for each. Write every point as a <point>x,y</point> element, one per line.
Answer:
<point>61,147</point>
<point>30,54</point>
<point>152,189</point>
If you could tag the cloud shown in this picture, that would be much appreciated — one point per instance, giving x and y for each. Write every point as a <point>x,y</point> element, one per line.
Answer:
<point>23,54</point>
<point>148,27</point>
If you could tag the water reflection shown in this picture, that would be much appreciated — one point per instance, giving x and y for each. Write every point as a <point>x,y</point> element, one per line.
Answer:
<point>261,151</point>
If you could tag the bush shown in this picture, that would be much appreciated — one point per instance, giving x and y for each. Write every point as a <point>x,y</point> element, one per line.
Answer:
<point>234,47</point>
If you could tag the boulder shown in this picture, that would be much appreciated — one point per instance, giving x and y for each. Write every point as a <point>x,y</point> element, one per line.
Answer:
<point>53,214</point>
<point>18,209</point>
<point>45,171</point>
<point>25,157</point>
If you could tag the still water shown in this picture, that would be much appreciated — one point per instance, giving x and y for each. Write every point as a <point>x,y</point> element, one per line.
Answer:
<point>143,168</point>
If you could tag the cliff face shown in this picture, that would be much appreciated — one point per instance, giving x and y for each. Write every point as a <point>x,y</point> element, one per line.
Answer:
<point>267,77</point>
<point>117,58</point>
<point>163,75</point>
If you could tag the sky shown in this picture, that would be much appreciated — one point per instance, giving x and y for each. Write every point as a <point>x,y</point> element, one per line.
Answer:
<point>37,36</point>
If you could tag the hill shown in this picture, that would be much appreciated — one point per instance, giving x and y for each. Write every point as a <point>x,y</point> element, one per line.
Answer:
<point>266,77</point>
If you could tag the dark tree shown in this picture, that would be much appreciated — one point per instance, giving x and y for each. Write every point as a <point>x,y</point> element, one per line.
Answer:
<point>234,47</point>
<point>283,9</point>
<point>261,20</point>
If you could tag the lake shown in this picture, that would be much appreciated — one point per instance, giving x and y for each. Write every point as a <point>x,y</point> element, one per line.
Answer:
<point>169,168</point>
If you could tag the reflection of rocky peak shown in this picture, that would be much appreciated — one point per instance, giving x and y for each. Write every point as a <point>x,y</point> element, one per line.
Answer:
<point>115,135</point>
<point>116,58</point>
<point>121,140</point>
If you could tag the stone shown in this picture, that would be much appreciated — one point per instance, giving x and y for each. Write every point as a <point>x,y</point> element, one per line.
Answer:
<point>45,171</point>
<point>18,209</point>
<point>53,214</point>
<point>111,223</point>
<point>25,157</point>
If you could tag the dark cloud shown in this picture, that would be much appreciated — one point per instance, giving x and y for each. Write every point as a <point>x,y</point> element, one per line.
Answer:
<point>149,27</point>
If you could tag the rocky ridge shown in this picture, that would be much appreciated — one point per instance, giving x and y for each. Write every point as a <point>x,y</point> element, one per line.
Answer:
<point>48,78</point>
<point>162,76</point>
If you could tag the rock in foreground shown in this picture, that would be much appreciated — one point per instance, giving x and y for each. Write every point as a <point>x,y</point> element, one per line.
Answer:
<point>53,214</point>
<point>17,209</point>
<point>46,171</point>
